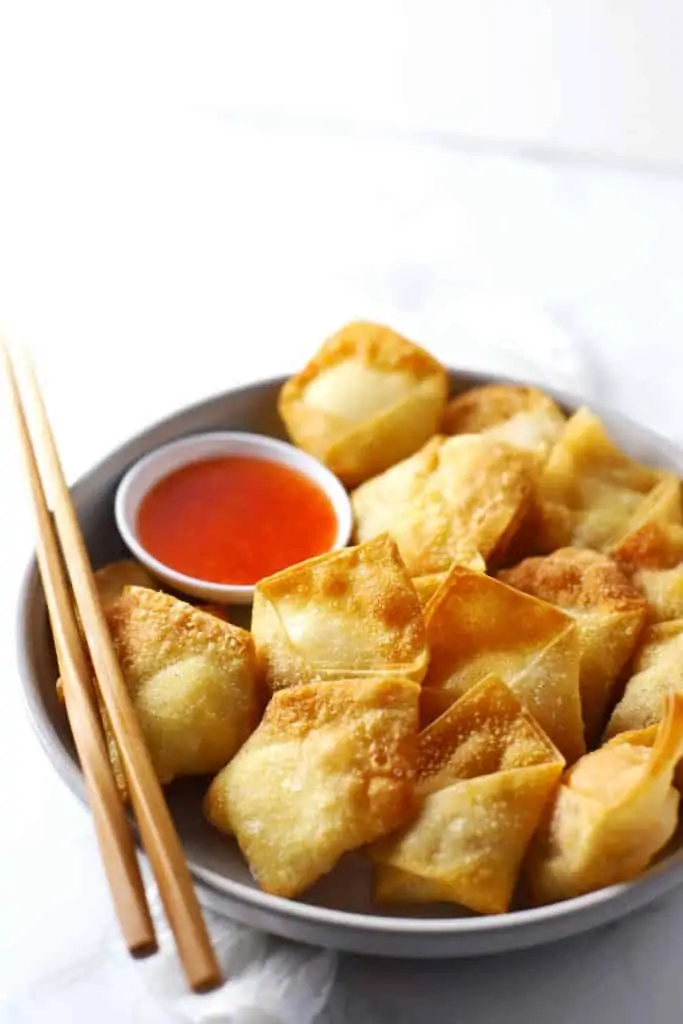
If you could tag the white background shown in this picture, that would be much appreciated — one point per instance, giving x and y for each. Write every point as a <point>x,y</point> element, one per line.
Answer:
<point>585,76</point>
<point>192,196</point>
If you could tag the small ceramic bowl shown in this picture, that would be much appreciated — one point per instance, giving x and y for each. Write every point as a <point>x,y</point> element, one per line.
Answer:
<point>142,476</point>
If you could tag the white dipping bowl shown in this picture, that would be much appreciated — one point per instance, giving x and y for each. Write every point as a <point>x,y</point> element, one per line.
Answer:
<point>143,475</point>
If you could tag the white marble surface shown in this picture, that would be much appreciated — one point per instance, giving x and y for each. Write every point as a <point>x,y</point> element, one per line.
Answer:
<point>158,257</point>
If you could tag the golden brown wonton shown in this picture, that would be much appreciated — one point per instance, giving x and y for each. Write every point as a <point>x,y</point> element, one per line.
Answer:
<point>192,679</point>
<point>485,772</point>
<point>347,613</point>
<point>111,581</point>
<point>646,738</point>
<point>330,768</point>
<point>662,505</point>
<point>608,610</point>
<point>367,399</point>
<point>653,558</point>
<point>427,586</point>
<point>515,413</point>
<point>657,669</point>
<point>457,500</point>
<point>113,578</point>
<point>589,492</point>
<point>613,812</point>
<point>477,625</point>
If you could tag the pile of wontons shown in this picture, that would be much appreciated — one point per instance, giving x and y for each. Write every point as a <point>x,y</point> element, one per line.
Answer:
<point>514,599</point>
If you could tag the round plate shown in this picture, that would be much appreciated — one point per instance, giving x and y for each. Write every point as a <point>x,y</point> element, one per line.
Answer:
<point>338,911</point>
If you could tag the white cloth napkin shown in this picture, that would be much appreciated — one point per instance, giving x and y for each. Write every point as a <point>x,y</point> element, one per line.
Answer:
<point>268,981</point>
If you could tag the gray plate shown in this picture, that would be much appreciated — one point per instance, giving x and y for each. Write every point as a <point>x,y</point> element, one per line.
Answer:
<point>338,911</point>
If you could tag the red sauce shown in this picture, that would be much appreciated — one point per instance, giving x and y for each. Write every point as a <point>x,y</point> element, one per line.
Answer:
<point>235,520</point>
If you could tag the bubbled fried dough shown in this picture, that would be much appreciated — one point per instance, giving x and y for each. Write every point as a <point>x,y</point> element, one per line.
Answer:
<point>590,492</point>
<point>192,679</point>
<point>612,813</point>
<point>575,578</point>
<point>488,730</point>
<point>485,773</point>
<point>455,500</point>
<point>609,612</point>
<point>347,613</point>
<point>111,579</point>
<point>656,670</point>
<point>655,545</point>
<point>366,400</point>
<point>330,768</point>
<point>477,626</point>
<point>652,556</point>
<point>520,415</point>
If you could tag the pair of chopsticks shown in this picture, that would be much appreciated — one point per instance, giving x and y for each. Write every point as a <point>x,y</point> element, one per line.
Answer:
<point>60,530</point>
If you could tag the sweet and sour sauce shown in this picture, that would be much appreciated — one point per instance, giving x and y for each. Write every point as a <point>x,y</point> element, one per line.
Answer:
<point>235,519</point>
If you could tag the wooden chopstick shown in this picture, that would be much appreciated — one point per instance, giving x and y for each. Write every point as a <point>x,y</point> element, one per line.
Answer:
<point>157,830</point>
<point>111,824</point>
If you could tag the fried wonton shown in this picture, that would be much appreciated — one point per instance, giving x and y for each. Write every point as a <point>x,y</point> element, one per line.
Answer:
<point>609,613</point>
<point>485,772</point>
<point>646,738</point>
<point>427,586</point>
<point>657,669</point>
<point>613,812</point>
<point>589,491</point>
<point>347,613</point>
<point>457,500</point>
<point>113,578</point>
<point>111,581</point>
<point>653,558</point>
<point>515,413</point>
<point>662,505</point>
<point>367,399</point>
<point>192,679</point>
<point>478,626</point>
<point>330,768</point>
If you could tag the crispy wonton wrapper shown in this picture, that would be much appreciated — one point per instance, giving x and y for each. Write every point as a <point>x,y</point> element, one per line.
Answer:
<point>457,500</point>
<point>477,625</point>
<point>347,613</point>
<point>485,772</point>
<point>113,578</point>
<point>609,612</point>
<point>330,768</point>
<point>662,505</point>
<point>657,669</point>
<point>520,415</point>
<point>653,558</point>
<point>646,738</point>
<point>366,400</point>
<point>427,586</point>
<point>613,812</point>
<point>589,493</point>
<point>192,679</point>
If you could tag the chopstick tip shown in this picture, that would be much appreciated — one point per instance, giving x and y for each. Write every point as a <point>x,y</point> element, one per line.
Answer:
<point>207,983</point>
<point>144,949</point>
